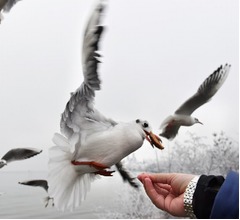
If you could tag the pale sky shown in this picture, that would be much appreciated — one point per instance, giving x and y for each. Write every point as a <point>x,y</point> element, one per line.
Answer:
<point>156,53</point>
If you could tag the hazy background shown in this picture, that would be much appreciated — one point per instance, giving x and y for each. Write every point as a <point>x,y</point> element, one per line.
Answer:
<point>156,53</point>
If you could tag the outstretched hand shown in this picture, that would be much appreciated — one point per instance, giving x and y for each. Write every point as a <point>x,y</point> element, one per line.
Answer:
<point>166,190</point>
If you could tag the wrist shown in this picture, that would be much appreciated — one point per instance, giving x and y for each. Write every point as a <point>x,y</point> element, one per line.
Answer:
<point>188,197</point>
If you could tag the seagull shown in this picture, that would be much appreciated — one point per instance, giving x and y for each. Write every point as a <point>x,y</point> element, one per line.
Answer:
<point>18,154</point>
<point>41,183</point>
<point>182,116</point>
<point>6,5</point>
<point>90,143</point>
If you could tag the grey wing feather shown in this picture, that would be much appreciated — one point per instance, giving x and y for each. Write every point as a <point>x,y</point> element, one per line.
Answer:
<point>206,91</point>
<point>170,130</point>
<point>79,108</point>
<point>90,47</point>
<point>20,154</point>
<point>125,175</point>
<point>2,4</point>
<point>38,182</point>
<point>9,4</point>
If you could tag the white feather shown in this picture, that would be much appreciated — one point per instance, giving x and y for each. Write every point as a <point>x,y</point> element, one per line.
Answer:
<point>67,194</point>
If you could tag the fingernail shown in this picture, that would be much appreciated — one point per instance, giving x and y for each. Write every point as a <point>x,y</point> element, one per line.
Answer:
<point>139,178</point>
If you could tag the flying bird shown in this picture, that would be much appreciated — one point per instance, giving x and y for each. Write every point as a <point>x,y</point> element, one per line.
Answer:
<point>39,183</point>
<point>90,143</point>
<point>18,154</point>
<point>6,5</point>
<point>182,116</point>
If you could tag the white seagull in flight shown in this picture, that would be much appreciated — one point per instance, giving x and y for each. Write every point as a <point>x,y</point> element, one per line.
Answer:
<point>39,183</point>
<point>182,116</point>
<point>6,5</point>
<point>16,154</point>
<point>91,143</point>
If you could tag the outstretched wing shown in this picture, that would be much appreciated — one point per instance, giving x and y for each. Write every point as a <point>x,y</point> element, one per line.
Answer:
<point>38,182</point>
<point>80,115</point>
<point>206,91</point>
<point>20,154</point>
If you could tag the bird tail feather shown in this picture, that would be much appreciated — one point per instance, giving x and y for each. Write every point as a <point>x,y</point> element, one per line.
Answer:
<point>67,187</point>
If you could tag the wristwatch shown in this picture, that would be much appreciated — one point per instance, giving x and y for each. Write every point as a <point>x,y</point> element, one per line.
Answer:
<point>188,197</point>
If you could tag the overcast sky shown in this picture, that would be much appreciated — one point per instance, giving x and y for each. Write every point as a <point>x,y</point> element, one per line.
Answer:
<point>156,53</point>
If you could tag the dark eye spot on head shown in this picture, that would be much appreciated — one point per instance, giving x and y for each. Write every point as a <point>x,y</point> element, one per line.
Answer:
<point>145,125</point>
<point>137,121</point>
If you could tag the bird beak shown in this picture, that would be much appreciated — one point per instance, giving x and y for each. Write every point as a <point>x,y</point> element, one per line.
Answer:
<point>200,123</point>
<point>154,140</point>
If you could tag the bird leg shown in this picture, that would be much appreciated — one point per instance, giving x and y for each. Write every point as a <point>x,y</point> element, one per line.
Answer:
<point>94,164</point>
<point>105,172</point>
<point>100,167</point>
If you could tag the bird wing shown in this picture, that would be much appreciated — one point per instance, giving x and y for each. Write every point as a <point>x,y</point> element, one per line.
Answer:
<point>2,4</point>
<point>80,118</point>
<point>20,154</point>
<point>169,128</point>
<point>206,91</point>
<point>41,183</point>
<point>125,175</point>
<point>8,4</point>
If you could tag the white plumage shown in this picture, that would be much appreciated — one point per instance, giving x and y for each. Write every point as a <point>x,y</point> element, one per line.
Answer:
<point>90,143</point>
<point>182,116</point>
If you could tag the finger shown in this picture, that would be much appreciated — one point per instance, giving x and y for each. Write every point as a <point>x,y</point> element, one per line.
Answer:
<point>162,186</point>
<point>142,176</point>
<point>162,191</point>
<point>164,178</point>
<point>156,198</point>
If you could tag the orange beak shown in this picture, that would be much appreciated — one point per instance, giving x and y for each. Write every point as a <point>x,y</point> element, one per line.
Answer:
<point>154,140</point>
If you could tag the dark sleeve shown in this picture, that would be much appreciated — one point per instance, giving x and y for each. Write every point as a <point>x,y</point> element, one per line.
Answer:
<point>204,195</point>
<point>226,204</point>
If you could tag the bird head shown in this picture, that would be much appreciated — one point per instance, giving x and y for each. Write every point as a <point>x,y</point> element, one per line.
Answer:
<point>3,163</point>
<point>153,139</point>
<point>196,121</point>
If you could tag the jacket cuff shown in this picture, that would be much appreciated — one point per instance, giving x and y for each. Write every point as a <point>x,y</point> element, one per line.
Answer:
<point>204,195</point>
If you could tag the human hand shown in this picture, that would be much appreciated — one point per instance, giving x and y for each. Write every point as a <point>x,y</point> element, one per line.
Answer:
<point>166,190</point>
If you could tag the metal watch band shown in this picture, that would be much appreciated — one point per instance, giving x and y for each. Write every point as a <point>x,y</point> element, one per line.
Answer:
<point>188,197</point>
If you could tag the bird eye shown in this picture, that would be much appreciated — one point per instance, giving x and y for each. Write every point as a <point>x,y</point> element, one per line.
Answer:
<point>145,125</point>
<point>137,121</point>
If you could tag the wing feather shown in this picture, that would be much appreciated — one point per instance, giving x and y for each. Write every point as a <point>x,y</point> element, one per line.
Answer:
<point>38,182</point>
<point>20,154</point>
<point>79,114</point>
<point>169,128</point>
<point>126,175</point>
<point>206,91</point>
<point>9,4</point>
